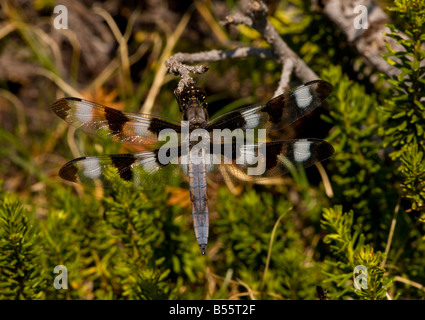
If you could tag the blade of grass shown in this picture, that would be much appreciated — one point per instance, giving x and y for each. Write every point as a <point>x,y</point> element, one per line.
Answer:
<point>263,281</point>
<point>211,21</point>
<point>123,49</point>
<point>6,28</point>
<point>326,182</point>
<point>76,54</point>
<point>113,66</point>
<point>20,110</point>
<point>391,233</point>
<point>30,36</point>
<point>59,82</point>
<point>161,69</point>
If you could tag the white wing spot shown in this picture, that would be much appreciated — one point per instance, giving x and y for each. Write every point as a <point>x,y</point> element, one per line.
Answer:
<point>92,168</point>
<point>247,155</point>
<point>140,127</point>
<point>149,163</point>
<point>83,112</point>
<point>302,150</point>
<point>303,97</point>
<point>252,118</point>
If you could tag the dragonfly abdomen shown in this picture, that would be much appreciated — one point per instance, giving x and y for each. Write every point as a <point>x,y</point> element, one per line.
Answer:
<point>199,199</point>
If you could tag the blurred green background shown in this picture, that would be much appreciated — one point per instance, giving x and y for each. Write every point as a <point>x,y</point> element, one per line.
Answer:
<point>281,240</point>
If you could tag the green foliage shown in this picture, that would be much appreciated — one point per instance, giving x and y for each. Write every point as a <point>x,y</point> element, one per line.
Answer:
<point>413,172</point>
<point>262,246</point>
<point>154,244</point>
<point>359,171</point>
<point>276,241</point>
<point>340,225</point>
<point>377,282</point>
<point>365,182</point>
<point>131,251</point>
<point>131,247</point>
<point>404,111</point>
<point>404,125</point>
<point>355,121</point>
<point>21,276</point>
<point>347,245</point>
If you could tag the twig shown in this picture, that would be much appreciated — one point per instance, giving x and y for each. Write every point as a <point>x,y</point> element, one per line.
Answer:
<point>254,15</point>
<point>370,41</point>
<point>176,63</point>
<point>173,65</point>
<point>285,76</point>
<point>238,18</point>
<point>410,282</point>
<point>249,290</point>
<point>218,55</point>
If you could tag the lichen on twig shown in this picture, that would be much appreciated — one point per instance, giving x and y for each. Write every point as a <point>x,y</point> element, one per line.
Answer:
<point>175,65</point>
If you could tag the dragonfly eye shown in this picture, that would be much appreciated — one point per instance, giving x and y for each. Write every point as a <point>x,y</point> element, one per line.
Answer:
<point>191,93</point>
<point>200,94</point>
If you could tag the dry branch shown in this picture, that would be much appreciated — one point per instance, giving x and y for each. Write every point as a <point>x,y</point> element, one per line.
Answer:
<point>370,42</point>
<point>254,15</point>
<point>176,63</point>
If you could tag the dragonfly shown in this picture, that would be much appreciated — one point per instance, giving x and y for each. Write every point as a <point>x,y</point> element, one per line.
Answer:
<point>143,169</point>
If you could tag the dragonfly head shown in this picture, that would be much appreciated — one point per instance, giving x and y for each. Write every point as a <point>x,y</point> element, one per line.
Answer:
<point>192,104</point>
<point>191,96</point>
